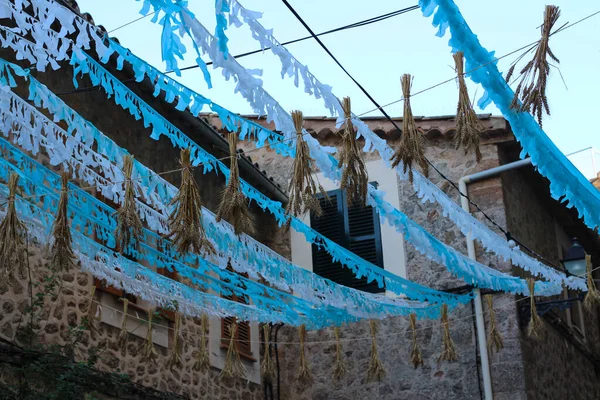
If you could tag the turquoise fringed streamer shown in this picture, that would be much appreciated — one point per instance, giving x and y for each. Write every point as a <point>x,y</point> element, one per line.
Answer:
<point>565,180</point>
<point>171,45</point>
<point>222,7</point>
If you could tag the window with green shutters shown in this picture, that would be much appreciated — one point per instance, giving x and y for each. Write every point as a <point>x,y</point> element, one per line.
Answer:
<point>354,227</point>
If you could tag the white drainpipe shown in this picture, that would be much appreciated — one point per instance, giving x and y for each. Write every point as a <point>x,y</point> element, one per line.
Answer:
<point>481,337</point>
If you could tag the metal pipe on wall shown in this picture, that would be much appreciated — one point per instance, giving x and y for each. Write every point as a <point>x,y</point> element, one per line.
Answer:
<point>479,320</point>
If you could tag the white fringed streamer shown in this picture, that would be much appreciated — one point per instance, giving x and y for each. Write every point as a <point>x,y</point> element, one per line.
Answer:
<point>263,103</point>
<point>462,268</point>
<point>139,280</point>
<point>425,189</point>
<point>302,282</point>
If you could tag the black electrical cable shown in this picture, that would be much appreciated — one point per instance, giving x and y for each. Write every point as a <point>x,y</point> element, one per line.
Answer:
<point>341,28</point>
<point>132,22</point>
<point>387,116</point>
<point>249,53</point>
<point>277,361</point>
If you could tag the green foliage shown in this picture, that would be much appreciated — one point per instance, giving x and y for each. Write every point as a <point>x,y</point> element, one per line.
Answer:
<point>43,371</point>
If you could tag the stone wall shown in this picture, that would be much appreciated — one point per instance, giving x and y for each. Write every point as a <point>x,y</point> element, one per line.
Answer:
<point>560,366</point>
<point>460,380</point>
<point>66,312</point>
<point>432,381</point>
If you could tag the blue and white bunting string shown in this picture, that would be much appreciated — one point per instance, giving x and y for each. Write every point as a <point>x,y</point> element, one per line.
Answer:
<point>567,184</point>
<point>160,126</point>
<point>291,67</point>
<point>55,142</point>
<point>37,182</point>
<point>469,270</point>
<point>426,190</point>
<point>138,280</point>
<point>398,218</point>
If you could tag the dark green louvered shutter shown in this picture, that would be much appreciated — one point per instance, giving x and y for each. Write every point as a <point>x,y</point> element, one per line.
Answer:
<point>331,225</point>
<point>356,229</point>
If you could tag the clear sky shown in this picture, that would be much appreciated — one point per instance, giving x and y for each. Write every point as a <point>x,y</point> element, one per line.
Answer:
<point>378,54</point>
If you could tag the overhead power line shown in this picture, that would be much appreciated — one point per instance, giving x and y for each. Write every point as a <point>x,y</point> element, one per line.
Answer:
<point>353,25</point>
<point>506,233</point>
<point>132,22</point>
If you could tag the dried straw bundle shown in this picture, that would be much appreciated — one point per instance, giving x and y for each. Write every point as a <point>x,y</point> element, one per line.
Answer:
<point>354,176</point>
<point>129,224</point>
<point>340,369</point>
<point>62,257</point>
<point>149,353</point>
<point>267,367</point>
<point>122,340</point>
<point>13,231</point>
<point>449,350</point>
<point>303,189</point>
<point>592,297</point>
<point>88,319</point>
<point>376,370</point>
<point>175,360</point>
<point>415,355</point>
<point>234,205</point>
<point>411,142</point>
<point>468,127</point>
<point>535,328</point>
<point>202,362</point>
<point>185,222</point>
<point>494,337</point>
<point>304,373</point>
<point>233,367</point>
<point>532,86</point>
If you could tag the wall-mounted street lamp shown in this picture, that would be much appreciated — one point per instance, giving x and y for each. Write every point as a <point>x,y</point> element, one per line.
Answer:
<point>574,261</point>
<point>575,265</point>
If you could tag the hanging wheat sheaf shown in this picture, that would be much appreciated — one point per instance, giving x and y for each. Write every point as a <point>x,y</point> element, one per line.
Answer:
<point>376,371</point>
<point>339,369</point>
<point>535,328</point>
<point>592,297</point>
<point>267,367</point>
<point>304,373</point>
<point>129,224</point>
<point>468,126</point>
<point>411,141</point>
<point>185,222</point>
<point>530,95</point>
<point>448,350</point>
<point>62,257</point>
<point>88,319</point>
<point>175,360</point>
<point>123,335</point>
<point>233,368</point>
<point>495,340</point>
<point>202,362</point>
<point>13,249</point>
<point>354,176</point>
<point>415,355</point>
<point>303,189</point>
<point>234,205</point>
<point>149,353</point>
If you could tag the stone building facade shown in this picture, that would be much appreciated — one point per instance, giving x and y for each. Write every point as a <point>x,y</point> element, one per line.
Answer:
<point>62,314</point>
<point>563,365</point>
